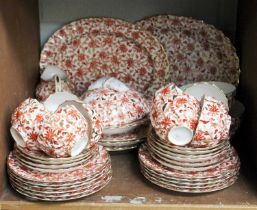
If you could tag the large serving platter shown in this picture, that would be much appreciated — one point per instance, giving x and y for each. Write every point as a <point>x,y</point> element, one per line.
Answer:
<point>90,48</point>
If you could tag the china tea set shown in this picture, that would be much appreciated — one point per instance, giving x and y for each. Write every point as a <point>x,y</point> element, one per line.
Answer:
<point>165,84</point>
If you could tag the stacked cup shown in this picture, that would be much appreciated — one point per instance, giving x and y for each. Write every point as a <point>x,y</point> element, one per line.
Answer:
<point>188,147</point>
<point>123,113</point>
<point>53,79</point>
<point>236,108</point>
<point>56,156</point>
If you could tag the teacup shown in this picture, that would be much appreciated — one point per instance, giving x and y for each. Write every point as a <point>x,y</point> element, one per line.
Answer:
<point>176,119</point>
<point>201,89</point>
<point>66,132</point>
<point>165,94</point>
<point>214,123</point>
<point>56,99</point>
<point>27,121</point>
<point>46,88</point>
<point>109,82</point>
<point>228,89</point>
<point>51,72</point>
<point>92,116</point>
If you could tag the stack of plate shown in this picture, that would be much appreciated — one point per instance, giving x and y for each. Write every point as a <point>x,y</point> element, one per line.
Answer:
<point>188,169</point>
<point>130,137</point>
<point>39,177</point>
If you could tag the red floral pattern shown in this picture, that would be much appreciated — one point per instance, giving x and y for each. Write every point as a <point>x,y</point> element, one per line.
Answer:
<point>195,44</point>
<point>117,109</point>
<point>170,108</point>
<point>230,165</point>
<point>28,119</point>
<point>62,130</point>
<point>120,42</point>
<point>94,166</point>
<point>214,123</point>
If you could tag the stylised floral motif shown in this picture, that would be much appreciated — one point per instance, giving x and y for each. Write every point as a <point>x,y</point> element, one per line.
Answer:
<point>27,120</point>
<point>193,43</point>
<point>117,108</point>
<point>61,131</point>
<point>213,125</point>
<point>81,181</point>
<point>100,43</point>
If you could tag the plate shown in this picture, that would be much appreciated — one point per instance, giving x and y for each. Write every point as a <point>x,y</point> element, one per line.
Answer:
<point>200,181</point>
<point>84,193</point>
<point>197,51</point>
<point>122,143</point>
<point>41,156</point>
<point>231,165</point>
<point>91,167</point>
<point>67,50</point>
<point>189,157</point>
<point>52,168</point>
<point>186,162</point>
<point>60,185</point>
<point>119,148</point>
<point>206,189</point>
<point>198,185</point>
<point>189,151</point>
<point>46,164</point>
<point>183,168</point>
<point>73,189</point>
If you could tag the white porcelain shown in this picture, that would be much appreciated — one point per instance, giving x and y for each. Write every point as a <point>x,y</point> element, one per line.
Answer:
<point>116,109</point>
<point>65,133</point>
<point>51,71</point>
<point>199,90</point>
<point>27,121</point>
<point>180,135</point>
<point>109,82</point>
<point>98,83</point>
<point>116,84</point>
<point>58,98</point>
<point>227,88</point>
<point>113,131</point>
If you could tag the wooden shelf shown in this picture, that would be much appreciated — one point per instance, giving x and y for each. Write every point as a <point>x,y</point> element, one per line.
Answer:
<point>128,187</point>
<point>19,41</point>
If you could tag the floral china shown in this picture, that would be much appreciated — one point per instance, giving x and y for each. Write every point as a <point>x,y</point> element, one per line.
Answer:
<point>94,43</point>
<point>228,89</point>
<point>214,123</point>
<point>177,118</point>
<point>116,109</point>
<point>27,121</point>
<point>53,79</point>
<point>110,83</point>
<point>199,90</point>
<point>65,133</point>
<point>197,51</point>
<point>55,100</point>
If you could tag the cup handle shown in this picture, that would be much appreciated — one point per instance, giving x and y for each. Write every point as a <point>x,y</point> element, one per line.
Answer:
<point>58,84</point>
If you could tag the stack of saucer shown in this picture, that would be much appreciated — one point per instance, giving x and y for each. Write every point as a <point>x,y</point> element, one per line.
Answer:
<point>191,172</point>
<point>188,146</point>
<point>39,177</point>
<point>123,113</point>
